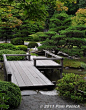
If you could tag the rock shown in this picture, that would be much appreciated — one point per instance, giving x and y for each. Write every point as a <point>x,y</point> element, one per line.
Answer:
<point>53,92</point>
<point>67,68</point>
<point>70,57</point>
<point>80,70</point>
<point>85,78</point>
<point>28,92</point>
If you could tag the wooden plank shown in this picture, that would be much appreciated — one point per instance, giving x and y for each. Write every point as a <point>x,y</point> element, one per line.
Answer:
<point>18,76</point>
<point>23,74</point>
<point>39,73</point>
<point>34,73</point>
<point>14,80</point>
<point>56,56</point>
<point>47,63</point>
<point>29,74</point>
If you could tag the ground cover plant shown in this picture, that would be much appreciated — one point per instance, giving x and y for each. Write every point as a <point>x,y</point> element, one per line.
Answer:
<point>72,63</point>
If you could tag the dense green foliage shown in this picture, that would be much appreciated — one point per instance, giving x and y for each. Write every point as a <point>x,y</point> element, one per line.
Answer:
<point>3,100</point>
<point>59,21</point>
<point>82,3</point>
<point>67,87</point>
<point>32,45</point>
<point>71,41</point>
<point>12,94</point>
<point>8,46</point>
<point>17,41</point>
<point>6,51</point>
<point>22,47</point>
<point>72,8</point>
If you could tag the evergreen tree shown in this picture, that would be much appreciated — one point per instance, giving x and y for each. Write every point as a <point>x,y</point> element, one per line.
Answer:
<point>71,41</point>
<point>82,3</point>
<point>59,21</point>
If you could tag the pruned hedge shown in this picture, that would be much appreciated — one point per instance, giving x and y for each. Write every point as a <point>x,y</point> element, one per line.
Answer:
<point>6,51</point>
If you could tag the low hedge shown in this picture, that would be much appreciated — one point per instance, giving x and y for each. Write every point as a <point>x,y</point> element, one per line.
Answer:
<point>22,47</point>
<point>12,94</point>
<point>6,51</point>
<point>32,45</point>
<point>8,46</point>
<point>17,41</point>
<point>66,87</point>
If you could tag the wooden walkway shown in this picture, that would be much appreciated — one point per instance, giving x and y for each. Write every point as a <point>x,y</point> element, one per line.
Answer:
<point>26,75</point>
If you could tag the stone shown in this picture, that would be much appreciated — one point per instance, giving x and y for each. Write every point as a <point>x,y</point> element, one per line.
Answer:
<point>66,68</point>
<point>80,70</point>
<point>53,92</point>
<point>28,92</point>
<point>70,57</point>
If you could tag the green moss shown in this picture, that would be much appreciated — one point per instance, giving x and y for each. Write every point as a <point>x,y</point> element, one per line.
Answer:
<point>72,63</point>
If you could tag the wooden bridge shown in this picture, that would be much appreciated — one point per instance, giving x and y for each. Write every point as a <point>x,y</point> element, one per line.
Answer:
<point>26,73</point>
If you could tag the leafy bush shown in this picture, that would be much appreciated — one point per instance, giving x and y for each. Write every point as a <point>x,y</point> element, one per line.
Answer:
<point>35,37</point>
<point>12,92</point>
<point>66,87</point>
<point>3,100</point>
<point>6,51</point>
<point>29,38</point>
<point>17,41</point>
<point>7,46</point>
<point>22,47</point>
<point>32,45</point>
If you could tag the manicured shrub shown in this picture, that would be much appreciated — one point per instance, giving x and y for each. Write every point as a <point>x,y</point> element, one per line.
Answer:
<point>32,45</point>
<point>12,94</point>
<point>29,38</point>
<point>35,37</point>
<point>17,41</point>
<point>6,51</point>
<point>66,87</point>
<point>22,47</point>
<point>3,101</point>
<point>8,46</point>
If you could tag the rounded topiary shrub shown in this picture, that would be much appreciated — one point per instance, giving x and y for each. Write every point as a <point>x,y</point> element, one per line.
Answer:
<point>17,41</point>
<point>22,47</point>
<point>32,45</point>
<point>12,94</point>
